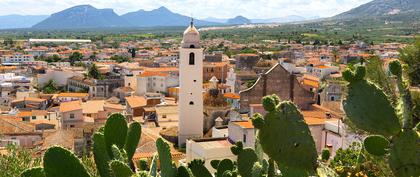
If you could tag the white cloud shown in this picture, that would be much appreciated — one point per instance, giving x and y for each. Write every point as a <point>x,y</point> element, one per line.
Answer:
<point>197,8</point>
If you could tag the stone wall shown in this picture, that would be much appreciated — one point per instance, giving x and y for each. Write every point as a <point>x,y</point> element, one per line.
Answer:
<point>280,82</point>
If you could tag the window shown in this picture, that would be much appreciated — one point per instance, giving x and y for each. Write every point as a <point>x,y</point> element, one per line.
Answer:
<point>191,103</point>
<point>192,58</point>
<point>244,138</point>
<point>71,126</point>
<point>71,116</point>
<point>164,116</point>
<point>192,46</point>
<point>33,117</point>
<point>45,117</point>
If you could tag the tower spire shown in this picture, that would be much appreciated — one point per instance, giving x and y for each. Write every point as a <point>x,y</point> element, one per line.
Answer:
<point>192,22</point>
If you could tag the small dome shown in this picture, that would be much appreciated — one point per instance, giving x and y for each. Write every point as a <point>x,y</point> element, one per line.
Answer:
<point>191,37</point>
<point>191,30</point>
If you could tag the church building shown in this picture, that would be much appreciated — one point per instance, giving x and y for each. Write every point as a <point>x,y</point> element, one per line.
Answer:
<point>191,86</point>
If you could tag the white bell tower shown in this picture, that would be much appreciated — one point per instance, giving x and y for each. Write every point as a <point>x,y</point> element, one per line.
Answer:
<point>191,86</point>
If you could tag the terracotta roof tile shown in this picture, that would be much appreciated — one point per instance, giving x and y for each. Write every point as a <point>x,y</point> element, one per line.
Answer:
<point>70,106</point>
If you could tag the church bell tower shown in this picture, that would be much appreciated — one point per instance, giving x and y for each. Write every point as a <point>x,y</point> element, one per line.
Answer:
<point>191,86</point>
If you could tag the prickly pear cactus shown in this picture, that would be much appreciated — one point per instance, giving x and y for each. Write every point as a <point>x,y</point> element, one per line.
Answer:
<point>153,166</point>
<point>376,145</point>
<point>198,169</point>
<point>33,172</point>
<point>404,158</point>
<point>120,169</point>
<point>223,166</point>
<point>115,132</point>
<point>285,137</point>
<point>367,106</point>
<point>165,158</point>
<point>132,140</point>
<point>369,109</point>
<point>184,172</point>
<point>246,159</point>
<point>100,155</point>
<point>61,162</point>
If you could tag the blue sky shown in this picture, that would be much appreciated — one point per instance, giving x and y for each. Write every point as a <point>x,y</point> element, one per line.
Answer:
<point>197,8</point>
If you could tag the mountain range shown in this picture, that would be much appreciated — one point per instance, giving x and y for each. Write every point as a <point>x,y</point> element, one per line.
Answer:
<point>382,8</point>
<point>20,21</point>
<point>87,16</point>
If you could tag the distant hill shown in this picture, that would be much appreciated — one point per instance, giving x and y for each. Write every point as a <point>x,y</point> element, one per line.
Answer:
<point>83,16</point>
<point>238,20</point>
<point>20,21</point>
<point>382,8</point>
<point>161,17</point>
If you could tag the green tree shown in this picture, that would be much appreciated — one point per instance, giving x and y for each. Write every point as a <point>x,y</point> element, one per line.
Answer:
<point>74,57</point>
<point>50,87</point>
<point>410,55</point>
<point>16,160</point>
<point>94,72</point>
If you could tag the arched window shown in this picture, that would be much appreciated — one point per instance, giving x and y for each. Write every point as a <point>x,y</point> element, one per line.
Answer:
<point>191,103</point>
<point>192,46</point>
<point>192,58</point>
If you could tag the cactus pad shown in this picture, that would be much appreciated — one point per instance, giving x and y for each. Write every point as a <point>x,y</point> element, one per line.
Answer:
<point>368,107</point>
<point>101,155</point>
<point>183,172</point>
<point>132,140</point>
<point>165,159</point>
<point>33,172</point>
<point>224,165</point>
<point>115,131</point>
<point>61,162</point>
<point>120,169</point>
<point>404,156</point>
<point>376,145</point>
<point>285,137</point>
<point>246,159</point>
<point>198,169</point>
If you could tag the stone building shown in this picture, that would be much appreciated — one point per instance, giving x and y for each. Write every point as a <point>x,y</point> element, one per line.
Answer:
<point>95,87</point>
<point>246,61</point>
<point>280,82</point>
<point>217,69</point>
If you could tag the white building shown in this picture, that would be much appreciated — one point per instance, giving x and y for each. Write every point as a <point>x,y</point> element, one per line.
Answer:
<point>208,150</point>
<point>321,71</point>
<point>16,58</point>
<point>191,86</point>
<point>155,82</point>
<point>242,131</point>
